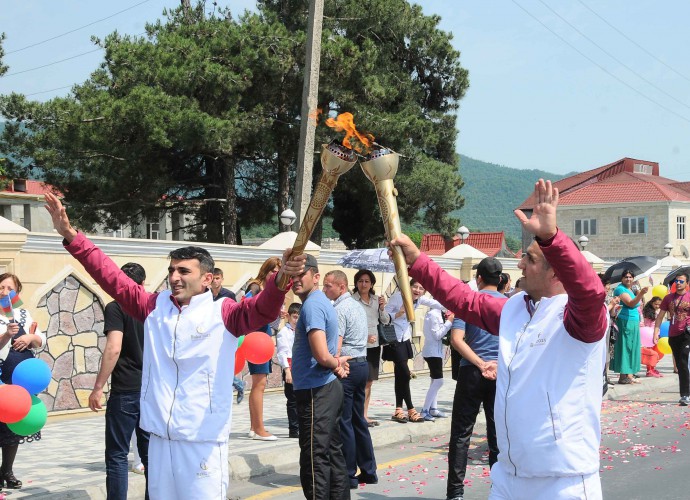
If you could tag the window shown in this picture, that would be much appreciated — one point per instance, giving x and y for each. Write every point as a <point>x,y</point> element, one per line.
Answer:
<point>633,225</point>
<point>641,168</point>
<point>680,227</point>
<point>153,230</point>
<point>119,233</point>
<point>585,226</point>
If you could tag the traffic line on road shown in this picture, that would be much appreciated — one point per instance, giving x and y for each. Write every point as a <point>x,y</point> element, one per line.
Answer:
<point>284,490</point>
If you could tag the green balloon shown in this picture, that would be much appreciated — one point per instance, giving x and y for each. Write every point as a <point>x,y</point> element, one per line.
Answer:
<point>34,421</point>
<point>240,341</point>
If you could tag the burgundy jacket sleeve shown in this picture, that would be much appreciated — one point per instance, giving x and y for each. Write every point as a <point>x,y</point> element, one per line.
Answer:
<point>585,316</point>
<point>133,298</point>
<point>251,314</point>
<point>476,308</point>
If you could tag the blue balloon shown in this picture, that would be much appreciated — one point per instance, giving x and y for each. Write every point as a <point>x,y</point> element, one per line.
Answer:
<point>32,374</point>
<point>663,329</point>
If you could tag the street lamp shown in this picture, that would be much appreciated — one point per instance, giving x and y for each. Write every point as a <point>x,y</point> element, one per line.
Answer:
<point>667,248</point>
<point>288,218</point>
<point>583,241</point>
<point>463,233</point>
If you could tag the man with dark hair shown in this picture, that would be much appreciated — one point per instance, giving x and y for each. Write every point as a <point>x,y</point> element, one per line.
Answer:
<point>217,288</point>
<point>122,358</point>
<point>476,384</point>
<point>550,359</point>
<point>190,342</point>
<point>353,332</point>
<point>319,394</point>
<point>677,304</point>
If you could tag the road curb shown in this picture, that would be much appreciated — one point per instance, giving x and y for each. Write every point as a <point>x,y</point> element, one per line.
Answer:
<point>284,457</point>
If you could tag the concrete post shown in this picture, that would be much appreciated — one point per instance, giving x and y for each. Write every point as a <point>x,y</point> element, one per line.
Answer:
<point>310,91</point>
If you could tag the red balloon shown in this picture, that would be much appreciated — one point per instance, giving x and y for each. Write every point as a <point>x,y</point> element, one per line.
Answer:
<point>239,361</point>
<point>258,347</point>
<point>15,403</point>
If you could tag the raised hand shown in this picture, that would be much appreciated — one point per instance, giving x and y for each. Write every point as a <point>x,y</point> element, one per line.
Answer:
<point>293,265</point>
<point>542,223</point>
<point>59,215</point>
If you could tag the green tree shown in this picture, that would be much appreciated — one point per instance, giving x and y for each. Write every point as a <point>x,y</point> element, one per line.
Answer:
<point>201,116</point>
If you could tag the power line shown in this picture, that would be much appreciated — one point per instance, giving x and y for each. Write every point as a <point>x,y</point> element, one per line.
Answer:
<point>602,68</point>
<point>52,63</point>
<point>75,29</point>
<point>648,82</point>
<point>46,91</point>
<point>622,33</point>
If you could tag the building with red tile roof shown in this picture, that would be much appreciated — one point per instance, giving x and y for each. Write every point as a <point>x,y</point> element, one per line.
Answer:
<point>624,208</point>
<point>492,244</point>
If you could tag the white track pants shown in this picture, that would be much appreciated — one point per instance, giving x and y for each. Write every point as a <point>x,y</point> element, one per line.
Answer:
<point>187,470</point>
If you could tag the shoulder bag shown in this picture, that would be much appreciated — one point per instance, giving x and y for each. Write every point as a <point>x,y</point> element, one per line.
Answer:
<point>386,333</point>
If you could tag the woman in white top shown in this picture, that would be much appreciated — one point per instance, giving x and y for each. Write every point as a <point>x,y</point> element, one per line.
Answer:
<point>400,352</point>
<point>374,306</point>
<point>436,326</point>
<point>18,337</point>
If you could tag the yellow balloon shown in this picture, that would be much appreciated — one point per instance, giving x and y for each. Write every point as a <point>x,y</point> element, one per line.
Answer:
<point>663,345</point>
<point>660,291</point>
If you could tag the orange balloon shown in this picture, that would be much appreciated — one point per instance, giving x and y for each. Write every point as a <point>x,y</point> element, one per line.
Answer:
<point>258,347</point>
<point>239,361</point>
<point>15,403</point>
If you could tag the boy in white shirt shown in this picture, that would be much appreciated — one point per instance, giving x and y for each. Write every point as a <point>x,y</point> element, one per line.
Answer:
<point>286,337</point>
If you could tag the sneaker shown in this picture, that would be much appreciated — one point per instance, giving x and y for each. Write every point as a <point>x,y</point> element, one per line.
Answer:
<point>138,469</point>
<point>684,401</point>
<point>435,412</point>
<point>427,416</point>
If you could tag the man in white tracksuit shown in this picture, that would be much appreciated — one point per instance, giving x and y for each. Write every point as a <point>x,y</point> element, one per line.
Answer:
<point>550,360</point>
<point>189,356</point>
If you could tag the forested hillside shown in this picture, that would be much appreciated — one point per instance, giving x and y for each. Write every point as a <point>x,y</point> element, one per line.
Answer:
<point>492,192</point>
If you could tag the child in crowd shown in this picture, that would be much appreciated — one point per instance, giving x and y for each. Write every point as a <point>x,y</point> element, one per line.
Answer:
<point>286,337</point>
<point>436,326</point>
<point>651,355</point>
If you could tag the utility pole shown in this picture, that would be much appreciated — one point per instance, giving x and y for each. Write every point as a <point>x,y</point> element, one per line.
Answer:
<point>310,92</point>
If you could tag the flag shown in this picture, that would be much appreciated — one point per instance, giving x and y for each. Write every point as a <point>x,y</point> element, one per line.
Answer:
<point>9,302</point>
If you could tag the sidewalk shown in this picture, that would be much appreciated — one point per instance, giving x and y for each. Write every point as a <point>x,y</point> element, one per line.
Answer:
<point>68,462</point>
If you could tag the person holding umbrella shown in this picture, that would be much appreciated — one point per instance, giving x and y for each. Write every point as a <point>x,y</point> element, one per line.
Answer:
<point>678,306</point>
<point>627,353</point>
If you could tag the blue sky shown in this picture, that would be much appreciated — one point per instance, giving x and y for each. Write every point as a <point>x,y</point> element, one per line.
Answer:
<point>533,102</point>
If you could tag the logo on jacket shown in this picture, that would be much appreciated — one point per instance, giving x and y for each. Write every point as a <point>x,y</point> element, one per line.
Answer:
<point>540,340</point>
<point>200,334</point>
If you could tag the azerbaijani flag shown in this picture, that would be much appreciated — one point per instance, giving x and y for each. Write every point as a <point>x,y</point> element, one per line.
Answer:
<point>10,302</point>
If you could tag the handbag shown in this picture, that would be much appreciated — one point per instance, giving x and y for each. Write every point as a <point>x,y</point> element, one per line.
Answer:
<point>386,333</point>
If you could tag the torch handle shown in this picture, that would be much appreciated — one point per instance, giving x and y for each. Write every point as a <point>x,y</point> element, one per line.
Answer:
<point>322,193</point>
<point>386,193</point>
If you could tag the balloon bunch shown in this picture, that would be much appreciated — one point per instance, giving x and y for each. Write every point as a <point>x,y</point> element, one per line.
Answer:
<point>255,347</point>
<point>20,409</point>
<point>663,345</point>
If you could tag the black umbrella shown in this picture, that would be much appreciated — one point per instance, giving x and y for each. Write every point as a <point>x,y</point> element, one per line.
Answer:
<point>641,266</point>
<point>670,277</point>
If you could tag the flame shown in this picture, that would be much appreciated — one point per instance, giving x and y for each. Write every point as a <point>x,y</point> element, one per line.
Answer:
<point>345,122</point>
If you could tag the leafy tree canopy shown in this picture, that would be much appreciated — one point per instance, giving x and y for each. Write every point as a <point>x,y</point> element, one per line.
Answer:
<point>202,116</point>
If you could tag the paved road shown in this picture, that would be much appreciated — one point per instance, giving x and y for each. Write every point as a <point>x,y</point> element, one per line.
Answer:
<point>644,456</point>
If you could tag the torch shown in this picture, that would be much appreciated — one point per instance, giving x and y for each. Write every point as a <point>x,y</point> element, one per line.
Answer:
<point>336,159</point>
<point>380,166</point>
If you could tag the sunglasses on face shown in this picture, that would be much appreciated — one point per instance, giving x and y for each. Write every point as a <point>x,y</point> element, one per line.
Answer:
<point>680,282</point>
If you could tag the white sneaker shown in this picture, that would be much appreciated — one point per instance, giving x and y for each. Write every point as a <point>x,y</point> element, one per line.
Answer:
<point>138,469</point>
<point>435,412</point>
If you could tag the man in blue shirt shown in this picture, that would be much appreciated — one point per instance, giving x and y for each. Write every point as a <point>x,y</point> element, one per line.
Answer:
<point>478,349</point>
<point>319,394</point>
